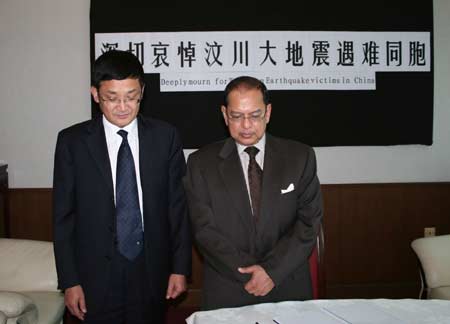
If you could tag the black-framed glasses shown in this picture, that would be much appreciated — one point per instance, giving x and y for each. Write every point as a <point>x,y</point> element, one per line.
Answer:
<point>116,101</point>
<point>254,117</point>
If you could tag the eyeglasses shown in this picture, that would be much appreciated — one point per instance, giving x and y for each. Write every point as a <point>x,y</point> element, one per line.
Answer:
<point>255,117</point>
<point>134,101</point>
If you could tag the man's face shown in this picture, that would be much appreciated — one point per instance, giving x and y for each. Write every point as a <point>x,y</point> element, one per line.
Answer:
<point>246,115</point>
<point>118,100</point>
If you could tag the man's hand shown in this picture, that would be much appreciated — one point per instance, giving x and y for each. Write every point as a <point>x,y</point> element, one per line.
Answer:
<point>177,285</point>
<point>260,283</point>
<point>75,302</point>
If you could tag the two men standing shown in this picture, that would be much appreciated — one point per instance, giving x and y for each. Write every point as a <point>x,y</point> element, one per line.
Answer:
<point>121,227</point>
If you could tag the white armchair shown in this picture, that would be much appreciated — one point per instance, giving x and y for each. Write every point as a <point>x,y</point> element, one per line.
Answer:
<point>434,256</point>
<point>28,283</point>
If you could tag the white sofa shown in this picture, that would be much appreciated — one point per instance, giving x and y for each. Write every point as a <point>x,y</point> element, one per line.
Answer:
<point>28,283</point>
<point>434,255</point>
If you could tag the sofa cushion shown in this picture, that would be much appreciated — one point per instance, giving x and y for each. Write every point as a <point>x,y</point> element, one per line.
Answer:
<point>18,308</point>
<point>439,293</point>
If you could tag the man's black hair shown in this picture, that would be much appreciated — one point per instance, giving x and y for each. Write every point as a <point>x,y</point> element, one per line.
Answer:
<point>116,65</point>
<point>247,83</point>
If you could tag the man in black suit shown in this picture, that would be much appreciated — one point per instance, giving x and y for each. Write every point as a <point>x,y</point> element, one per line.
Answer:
<point>121,230</point>
<point>255,206</point>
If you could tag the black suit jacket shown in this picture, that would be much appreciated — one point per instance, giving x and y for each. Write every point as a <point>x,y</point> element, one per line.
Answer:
<point>228,237</point>
<point>84,210</point>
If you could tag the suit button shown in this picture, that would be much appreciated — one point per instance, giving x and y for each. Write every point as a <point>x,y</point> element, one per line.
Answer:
<point>108,257</point>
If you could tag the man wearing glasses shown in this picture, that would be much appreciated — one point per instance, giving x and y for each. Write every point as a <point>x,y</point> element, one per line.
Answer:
<point>121,230</point>
<point>255,206</point>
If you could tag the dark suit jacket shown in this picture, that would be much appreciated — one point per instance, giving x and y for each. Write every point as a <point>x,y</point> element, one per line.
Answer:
<point>227,235</point>
<point>84,210</point>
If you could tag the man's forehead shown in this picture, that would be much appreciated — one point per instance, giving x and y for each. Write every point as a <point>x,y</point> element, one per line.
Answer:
<point>244,90</point>
<point>126,85</point>
<point>248,101</point>
<point>238,110</point>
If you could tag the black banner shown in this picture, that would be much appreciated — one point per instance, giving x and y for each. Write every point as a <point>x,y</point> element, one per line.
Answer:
<point>398,111</point>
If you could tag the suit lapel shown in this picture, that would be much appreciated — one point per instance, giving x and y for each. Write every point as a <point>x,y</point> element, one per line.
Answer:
<point>146,161</point>
<point>96,142</point>
<point>273,168</point>
<point>232,175</point>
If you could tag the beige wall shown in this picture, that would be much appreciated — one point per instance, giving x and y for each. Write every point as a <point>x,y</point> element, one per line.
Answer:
<point>44,84</point>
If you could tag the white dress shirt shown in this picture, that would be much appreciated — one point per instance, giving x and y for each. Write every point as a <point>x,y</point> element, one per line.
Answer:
<point>245,159</point>
<point>113,142</point>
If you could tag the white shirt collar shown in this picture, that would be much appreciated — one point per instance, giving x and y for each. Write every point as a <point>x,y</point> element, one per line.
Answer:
<point>260,145</point>
<point>112,129</point>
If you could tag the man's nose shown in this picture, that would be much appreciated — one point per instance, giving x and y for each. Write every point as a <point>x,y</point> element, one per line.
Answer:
<point>123,104</point>
<point>246,122</point>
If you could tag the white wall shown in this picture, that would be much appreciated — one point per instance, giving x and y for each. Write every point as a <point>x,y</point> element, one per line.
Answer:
<point>44,82</point>
<point>44,87</point>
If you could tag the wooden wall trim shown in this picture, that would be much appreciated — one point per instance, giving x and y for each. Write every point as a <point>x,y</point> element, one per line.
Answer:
<point>368,230</point>
<point>30,213</point>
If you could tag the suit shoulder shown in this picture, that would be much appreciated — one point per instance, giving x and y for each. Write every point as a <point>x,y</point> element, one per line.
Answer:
<point>158,125</point>
<point>291,145</point>
<point>207,152</point>
<point>75,130</point>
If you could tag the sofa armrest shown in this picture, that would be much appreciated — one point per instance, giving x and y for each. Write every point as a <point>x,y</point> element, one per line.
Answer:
<point>17,308</point>
<point>2,318</point>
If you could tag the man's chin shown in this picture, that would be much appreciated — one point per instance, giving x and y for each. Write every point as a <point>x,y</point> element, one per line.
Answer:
<point>247,141</point>
<point>122,122</point>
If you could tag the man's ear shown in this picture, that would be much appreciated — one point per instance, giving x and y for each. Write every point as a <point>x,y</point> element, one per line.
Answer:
<point>94,93</point>
<point>142,93</point>
<point>224,113</point>
<point>268,113</point>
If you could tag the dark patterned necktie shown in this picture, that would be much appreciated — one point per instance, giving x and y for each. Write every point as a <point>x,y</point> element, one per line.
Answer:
<point>128,214</point>
<point>254,180</point>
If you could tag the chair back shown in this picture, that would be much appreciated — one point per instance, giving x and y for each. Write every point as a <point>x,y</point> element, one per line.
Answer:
<point>317,267</point>
<point>27,265</point>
